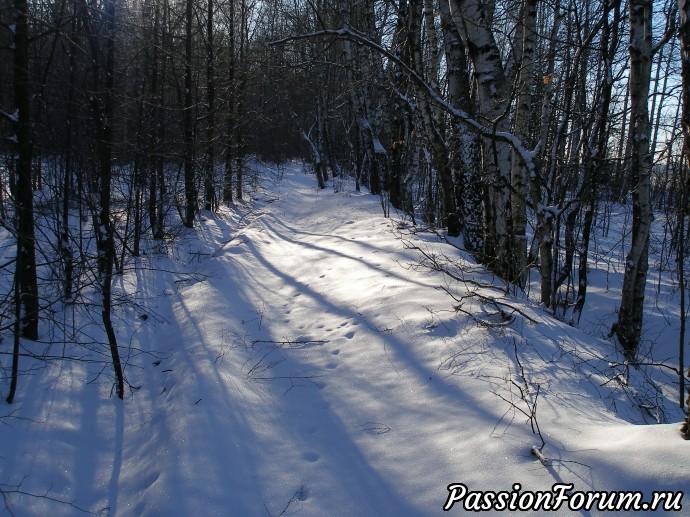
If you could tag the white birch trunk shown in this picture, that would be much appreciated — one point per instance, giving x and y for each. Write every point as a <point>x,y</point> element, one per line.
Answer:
<point>464,142</point>
<point>629,326</point>
<point>473,18</point>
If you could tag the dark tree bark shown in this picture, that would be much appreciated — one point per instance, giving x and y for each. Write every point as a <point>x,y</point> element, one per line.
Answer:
<point>209,190</point>
<point>189,190</point>
<point>239,98</point>
<point>230,100</point>
<point>684,33</point>
<point>102,105</point>
<point>105,234</point>
<point>595,152</point>
<point>25,282</point>
<point>26,247</point>
<point>156,133</point>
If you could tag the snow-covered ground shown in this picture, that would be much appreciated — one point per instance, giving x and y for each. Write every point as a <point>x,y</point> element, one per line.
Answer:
<point>295,355</point>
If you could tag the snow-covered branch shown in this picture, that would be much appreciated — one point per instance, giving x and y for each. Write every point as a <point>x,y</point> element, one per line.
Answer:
<point>13,118</point>
<point>347,33</point>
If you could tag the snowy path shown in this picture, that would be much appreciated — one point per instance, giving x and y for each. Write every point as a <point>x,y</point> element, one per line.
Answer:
<point>342,409</point>
<point>306,369</point>
<point>310,376</point>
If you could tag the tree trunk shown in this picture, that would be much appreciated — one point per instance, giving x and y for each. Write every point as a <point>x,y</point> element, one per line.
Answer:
<point>189,190</point>
<point>156,132</point>
<point>473,20</point>
<point>464,144</point>
<point>629,326</point>
<point>24,208</point>
<point>520,175</point>
<point>362,105</point>
<point>105,229</point>
<point>239,102</point>
<point>209,190</point>
<point>227,174</point>
<point>439,151</point>
<point>684,32</point>
<point>595,153</point>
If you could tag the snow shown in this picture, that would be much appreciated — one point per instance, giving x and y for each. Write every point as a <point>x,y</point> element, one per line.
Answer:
<point>293,356</point>
<point>378,147</point>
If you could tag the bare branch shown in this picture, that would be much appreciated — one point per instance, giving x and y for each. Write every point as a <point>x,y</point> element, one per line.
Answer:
<point>347,33</point>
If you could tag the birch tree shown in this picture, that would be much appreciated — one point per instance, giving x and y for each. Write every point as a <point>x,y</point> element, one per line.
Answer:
<point>359,70</point>
<point>429,117</point>
<point>464,143</point>
<point>473,19</point>
<point>628,328</point>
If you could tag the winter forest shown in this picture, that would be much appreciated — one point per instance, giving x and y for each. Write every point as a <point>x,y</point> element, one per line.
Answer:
<point>474,204</point>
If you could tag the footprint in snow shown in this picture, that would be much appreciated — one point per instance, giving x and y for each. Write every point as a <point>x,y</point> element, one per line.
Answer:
<point>311,456</point>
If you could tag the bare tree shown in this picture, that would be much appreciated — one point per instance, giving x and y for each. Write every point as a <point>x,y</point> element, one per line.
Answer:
<point>25,283</point>
<point>520,175</point>
<point>430,116</point>
<point>188,116</point>
<point>102,106</point>
<point>26,254</point>
<point>209,189</point>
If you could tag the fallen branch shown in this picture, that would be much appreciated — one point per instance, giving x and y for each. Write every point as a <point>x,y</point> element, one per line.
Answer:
<point>536,452</point>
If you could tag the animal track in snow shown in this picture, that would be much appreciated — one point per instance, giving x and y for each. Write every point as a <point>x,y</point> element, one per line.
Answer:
<point>150,479</point>
<point>311,456</point>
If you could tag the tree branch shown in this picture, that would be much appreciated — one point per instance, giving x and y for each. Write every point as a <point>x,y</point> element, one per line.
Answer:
<point>347,33</point>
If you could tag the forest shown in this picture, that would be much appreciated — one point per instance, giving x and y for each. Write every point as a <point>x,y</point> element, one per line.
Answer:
<point>513,128</point>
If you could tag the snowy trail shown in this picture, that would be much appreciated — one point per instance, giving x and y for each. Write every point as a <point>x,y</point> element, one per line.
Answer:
<point>324,412</point>
<point>307,380</point>
<point>304,368</point>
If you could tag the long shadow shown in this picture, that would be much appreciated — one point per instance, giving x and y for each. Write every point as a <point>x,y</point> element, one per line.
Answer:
<point>402,348</point>
<point>118,445</point>
<point>446,391</point>
<point>202,402</point>
<point>356,479</point>
<point>61,454</point>
<point>282,236</point>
